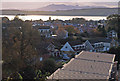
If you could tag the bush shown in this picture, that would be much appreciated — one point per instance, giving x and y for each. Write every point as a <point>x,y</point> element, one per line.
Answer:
<point>28,73</point>
<point>49,65</point>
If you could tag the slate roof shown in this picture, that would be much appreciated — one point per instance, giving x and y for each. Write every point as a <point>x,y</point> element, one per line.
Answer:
<point>86,65</point>
<point>76,42</point>
<point>42,27</point>
<point>96,40</point>
<point>46,44</point>
<point>92,41</point>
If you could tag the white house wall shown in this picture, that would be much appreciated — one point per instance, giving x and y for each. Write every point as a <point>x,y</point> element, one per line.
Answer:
<point>106,46</point>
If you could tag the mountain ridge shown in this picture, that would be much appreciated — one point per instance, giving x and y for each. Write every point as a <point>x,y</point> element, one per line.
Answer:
<point>54,7</point>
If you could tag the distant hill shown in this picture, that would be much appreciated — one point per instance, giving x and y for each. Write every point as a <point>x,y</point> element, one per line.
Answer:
<point>54,7</point>
<point>73,12</point>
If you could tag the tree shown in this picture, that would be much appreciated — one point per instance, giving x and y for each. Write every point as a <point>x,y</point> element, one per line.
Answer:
<point>113,23</point>
<point>40,76</point>
<point>5,22</point>
<point>49,65</point>
<point>78,21</point>
<point>27,72</point>
<point>14,76</point>
<point>96,32</point>
<point>20,41</point>
<point>102,30</point>
<point>71,29</point>
<point>16,22</point>
<point>116,51</point>
<point>61,33</point>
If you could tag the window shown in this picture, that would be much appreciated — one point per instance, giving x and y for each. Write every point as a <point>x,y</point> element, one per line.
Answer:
<point>41,30</point>
<point>66,47</point>
<point>80,47</point>
<point>75,48</point>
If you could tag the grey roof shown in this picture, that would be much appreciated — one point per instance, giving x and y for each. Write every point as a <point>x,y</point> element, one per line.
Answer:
<point>88,45</point>
<point>96,40</point>
<point>86,65</point>
<point>112,31</point>
<point>96,56</point>
<point>76,42</point>
<point>92,41</point>
<point>42,27</point>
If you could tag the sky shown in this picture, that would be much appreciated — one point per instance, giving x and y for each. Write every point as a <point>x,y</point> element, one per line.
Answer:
<point>35,4</point>
<point>60,0</point>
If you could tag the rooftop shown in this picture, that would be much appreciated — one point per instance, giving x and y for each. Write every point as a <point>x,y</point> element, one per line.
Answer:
<point>96,40</point>
<point>76,42</point>
<point>86,65</point>
<point>42,27</point>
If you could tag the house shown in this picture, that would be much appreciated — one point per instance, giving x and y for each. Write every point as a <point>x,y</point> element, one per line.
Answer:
<point>91,45</point>
<point>112,34</point>
<point>72,47</point>
<point>87,66</point>
<point>67,50</point>
<point>47,23</point>
<point>53,50</point>
<point>88,46</point>
<point>67,47</point>
<point>76,47</point>
<point>47,48</point>
<point>37,22</point>
<point>102,44</point>
<point>44,30</point>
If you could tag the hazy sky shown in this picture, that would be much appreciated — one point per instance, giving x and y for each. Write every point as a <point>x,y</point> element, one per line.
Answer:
<point>60,0</point>
<point>34,4</point>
